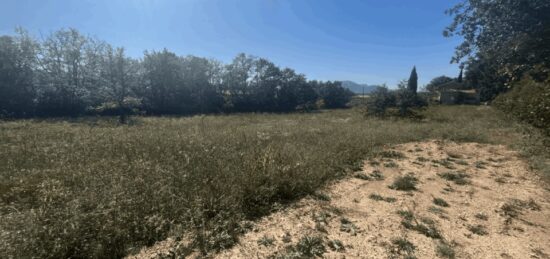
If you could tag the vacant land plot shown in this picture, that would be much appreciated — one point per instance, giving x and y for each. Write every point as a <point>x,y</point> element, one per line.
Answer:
<point>482,218</point>
<point>92,188</point>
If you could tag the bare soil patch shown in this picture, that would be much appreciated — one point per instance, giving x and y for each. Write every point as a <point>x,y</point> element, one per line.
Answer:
<point>424,200</point>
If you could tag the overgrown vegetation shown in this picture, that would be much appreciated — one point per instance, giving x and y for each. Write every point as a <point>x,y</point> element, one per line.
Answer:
<point>93,188</point>
<point>505,49</point>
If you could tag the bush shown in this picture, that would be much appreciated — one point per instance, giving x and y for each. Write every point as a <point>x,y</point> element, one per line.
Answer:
<point>403,99</point>
<point>529,101</point>
<point>379,101</point>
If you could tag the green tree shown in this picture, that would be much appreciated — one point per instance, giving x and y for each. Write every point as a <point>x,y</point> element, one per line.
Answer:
<point>511,34</point>
<point>17,74</point>
<point>412,84</point>
<point>436,82</point>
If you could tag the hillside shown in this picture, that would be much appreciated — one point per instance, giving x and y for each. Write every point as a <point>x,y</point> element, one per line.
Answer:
<point>358,88</point>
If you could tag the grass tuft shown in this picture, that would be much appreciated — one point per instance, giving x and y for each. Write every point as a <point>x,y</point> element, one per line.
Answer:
<point>440,202</point>
<point>405,183</point>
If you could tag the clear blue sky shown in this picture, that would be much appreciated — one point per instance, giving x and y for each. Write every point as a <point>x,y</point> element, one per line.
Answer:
<point>367,41</point>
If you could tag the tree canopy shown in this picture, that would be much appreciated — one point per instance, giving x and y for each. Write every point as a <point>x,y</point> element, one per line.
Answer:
<point>70,74</point>
<point>504,38</point>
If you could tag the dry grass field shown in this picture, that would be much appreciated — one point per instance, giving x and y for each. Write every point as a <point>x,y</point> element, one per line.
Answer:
<point>90,188</point>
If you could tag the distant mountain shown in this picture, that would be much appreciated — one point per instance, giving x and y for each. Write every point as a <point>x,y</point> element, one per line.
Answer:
<point>358,88</point>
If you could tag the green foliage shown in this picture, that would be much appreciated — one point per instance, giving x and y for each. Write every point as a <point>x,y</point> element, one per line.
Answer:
<point>440,202</point>
<point>311,246</point>
<point>478,230</point>
<point>266,241</point>
<point>512,34</point>
<point>380,100</point>
<point>405,183</point>
<point>412,83</point>
<point>403,246</point>
<point>436,82</point>
<point>444,250</point>
<point>529,101</point>
<point>459,178</point>
<point>70,74</point>
<point>503,41</point>
<point>405,100</point>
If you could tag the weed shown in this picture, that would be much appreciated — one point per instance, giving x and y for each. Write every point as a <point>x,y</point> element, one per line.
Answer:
<point>461,162</point>
<point>390,164</point>
<point>266,241</point>
<point>390,199</point>
<point>480,164</point>
<point>459,178</point>
<point>377,175</point>
<point>426,226</point>
<point>336,245</point>
<point>348,226</point>
<point>422,159</point>
<point>405,183</point>
<point>407,215</point>
<point>478,230</point>
<point>374,163</point>
<point>311,246</point>
<point>392,154</point>
<point>378,197</point>
<point>362,176</point>
<point>445,251</point>
<point>321,196</point>
<point>481,215</point>
<point>403,246</point>
<point>500,180</point>
<point>440,202</point>
<point>444,162</point>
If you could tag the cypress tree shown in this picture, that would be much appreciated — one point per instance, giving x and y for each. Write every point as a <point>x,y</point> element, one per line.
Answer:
<point>413,81</point>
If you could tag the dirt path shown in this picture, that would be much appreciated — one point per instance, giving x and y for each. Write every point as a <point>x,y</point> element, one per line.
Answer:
<point>465,201</point>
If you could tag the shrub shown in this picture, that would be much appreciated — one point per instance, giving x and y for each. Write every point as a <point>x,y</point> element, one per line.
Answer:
<point>311,246</point>
<point>529,101</point>
<point>440,202</point>
<point>379,100</point>
<point>459,178</point>
<point>405,183</point>
<point>445,251</point>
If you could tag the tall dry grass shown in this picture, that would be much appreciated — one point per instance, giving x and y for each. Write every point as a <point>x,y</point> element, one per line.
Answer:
<point>93,189</point>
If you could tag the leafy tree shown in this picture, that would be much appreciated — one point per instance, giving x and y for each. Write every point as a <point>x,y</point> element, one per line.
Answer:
<point>69,74</point>
<point>17,74</point>
<point>512,34</point>
<point>333,94</point>
<point>436,82</point>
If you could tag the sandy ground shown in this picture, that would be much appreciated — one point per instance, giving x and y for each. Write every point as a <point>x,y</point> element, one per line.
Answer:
<point>497,209</point>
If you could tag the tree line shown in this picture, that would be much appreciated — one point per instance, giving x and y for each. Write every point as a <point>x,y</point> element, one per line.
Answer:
<point>70,74</point>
